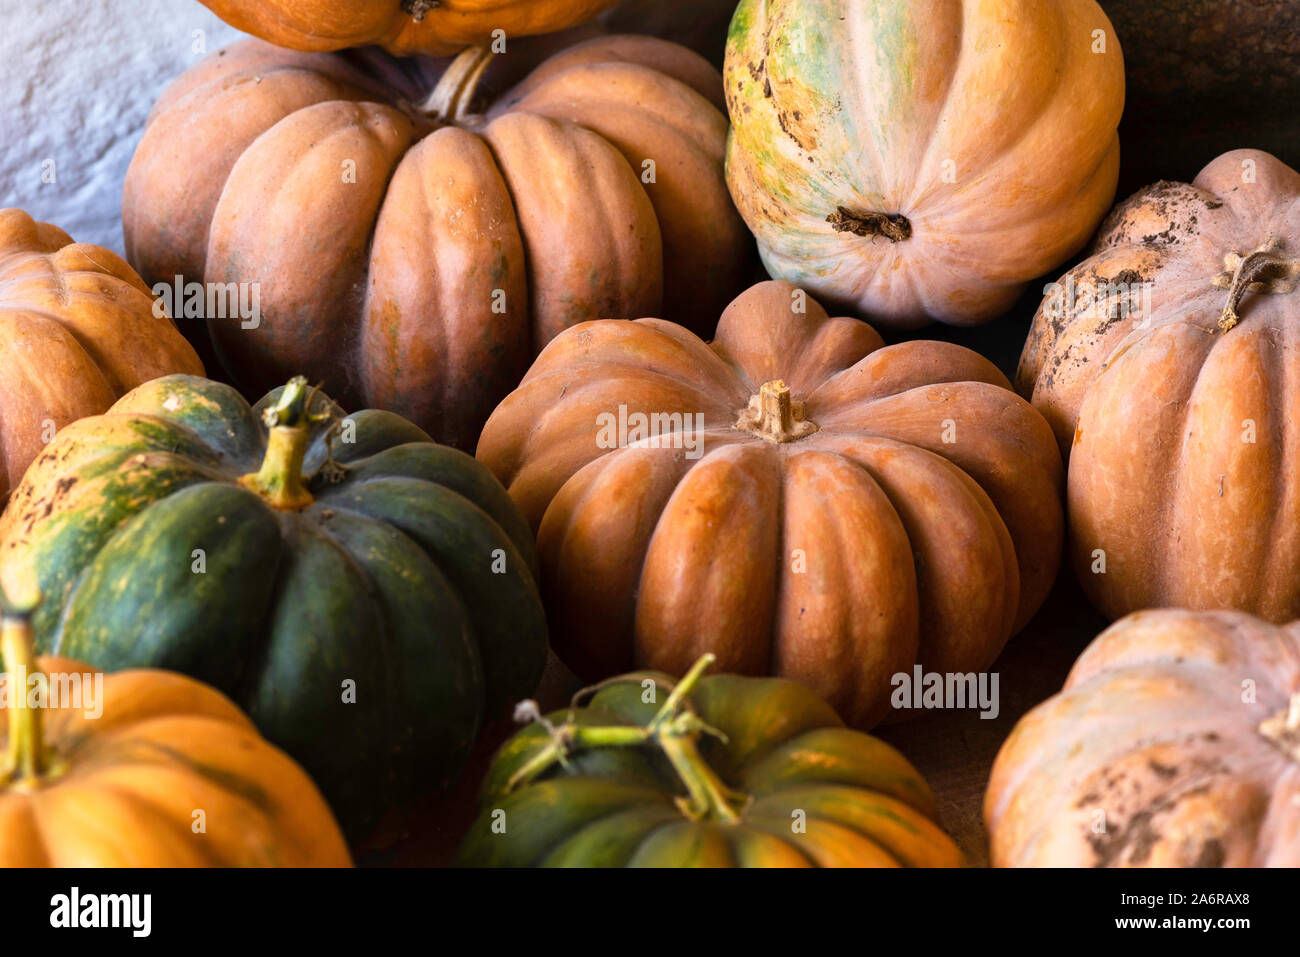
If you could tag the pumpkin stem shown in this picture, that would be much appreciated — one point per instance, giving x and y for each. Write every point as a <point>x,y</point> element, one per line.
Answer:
<point>895,228</point>
<point>675,730</point>
<point>774,415</point>
<point>1263,271</point>
<point>453,95</point>
<point>418,9</point>
<point>26,758</point>
<point>1283,728</point>
<point>280,481</point>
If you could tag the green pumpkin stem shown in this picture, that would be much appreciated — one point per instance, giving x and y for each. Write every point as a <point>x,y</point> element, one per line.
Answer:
<point>280,480</point>
<point>675,730</point>
<point>453,96</point>
<point>26,757</point>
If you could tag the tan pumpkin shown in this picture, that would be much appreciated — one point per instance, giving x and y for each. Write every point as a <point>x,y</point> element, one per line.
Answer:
<point>153,769</point>
<point>437,27</point>
<point>812,504</point>
<point>1174,743</point>
<point>1164,363</point>
<point>414,258</point>
<point>917,161</point>
<point>78,330</point>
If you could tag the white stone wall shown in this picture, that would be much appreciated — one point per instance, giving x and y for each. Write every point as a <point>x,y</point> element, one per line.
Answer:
<point>77,79</point>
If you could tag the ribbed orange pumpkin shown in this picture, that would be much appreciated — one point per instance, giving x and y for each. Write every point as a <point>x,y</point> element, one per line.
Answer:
<point>157,771</point>
<point>414,258</point>
<point>1165,364</point>
<point>77,332</point>
<point>402,26</point>
<point>810,504</point>
<point>919,160</point>
<point>1175,743</point>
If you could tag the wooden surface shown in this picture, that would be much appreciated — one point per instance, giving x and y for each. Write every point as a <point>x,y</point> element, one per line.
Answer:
<point>954,750</point>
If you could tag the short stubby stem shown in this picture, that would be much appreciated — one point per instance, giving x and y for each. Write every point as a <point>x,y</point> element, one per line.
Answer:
<point>894,227</point>
<point>774,415</point>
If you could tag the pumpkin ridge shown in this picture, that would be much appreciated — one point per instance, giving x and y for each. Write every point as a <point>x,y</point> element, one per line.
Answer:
<point>1170,532</point>
<point>603,819</point>
<point>990,167</point>
<point>380,647</point>
<point>247,790</point>
<point>916,198</point>
<point>490,623</point>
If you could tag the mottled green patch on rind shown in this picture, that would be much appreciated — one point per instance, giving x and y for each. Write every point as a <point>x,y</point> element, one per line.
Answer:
<point>141,603</point>
<point>64,542</point>
<point>213,411</point>
<point>742,21</point>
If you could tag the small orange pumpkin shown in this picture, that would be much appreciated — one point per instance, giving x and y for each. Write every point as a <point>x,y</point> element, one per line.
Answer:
<point>812,504</point>
<point>78,331</point>
<point>1174,743</point>
<point>436,27</point>
<point>126,779</point>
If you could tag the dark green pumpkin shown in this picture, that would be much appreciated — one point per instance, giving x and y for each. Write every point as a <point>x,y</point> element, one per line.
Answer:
<point>362,557</point>
<point>721,771</point>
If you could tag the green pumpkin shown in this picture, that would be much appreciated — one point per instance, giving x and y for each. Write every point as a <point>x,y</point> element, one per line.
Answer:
<point>366,595</point>
<point>720,771</point>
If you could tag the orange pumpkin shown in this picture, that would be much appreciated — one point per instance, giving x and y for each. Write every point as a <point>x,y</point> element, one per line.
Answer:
<point>915,160</point>
<point>808,503</point>
<point>1163,363</point>
<point>401,26</point>
<point>157,770</point>
<point>1174,743</point>
<point>415,258</point>
<point>77,332</point>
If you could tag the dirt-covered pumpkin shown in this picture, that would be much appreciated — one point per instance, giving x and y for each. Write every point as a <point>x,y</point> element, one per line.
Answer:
<point>795,497</point>
<point>412,253</point>
<point>77,330</point>
<point>366,595</point>
<point>1165,363</point>
<point>1174,743</point>
<point>917,161</point>
<point>143,769</point>
<point>437,27</point>
<point>718,771</point>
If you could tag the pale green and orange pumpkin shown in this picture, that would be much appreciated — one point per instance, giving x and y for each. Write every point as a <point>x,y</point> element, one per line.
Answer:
<point>915,161</point>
